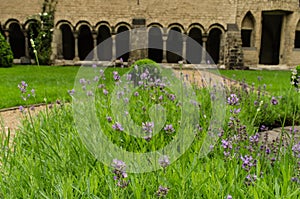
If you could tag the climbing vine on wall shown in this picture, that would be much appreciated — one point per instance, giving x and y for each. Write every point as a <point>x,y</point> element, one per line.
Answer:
<point>42,41</point>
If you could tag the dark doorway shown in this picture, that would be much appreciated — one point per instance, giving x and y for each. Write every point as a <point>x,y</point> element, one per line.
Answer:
<point>105,41</point>
<point>270,39</point>
<point>193,46</point>
<point>68,42</point>
<point>174,46</point>
<point>213,45</point>
<point>85,43</point>
<point>297,39</point>
<point>16,40</point>
<point>155,44</point>
<point>122,43</point>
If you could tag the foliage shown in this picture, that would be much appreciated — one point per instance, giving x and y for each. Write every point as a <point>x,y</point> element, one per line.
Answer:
<point>6,55</point>
<point>42,41</point>
<point>48,159</point>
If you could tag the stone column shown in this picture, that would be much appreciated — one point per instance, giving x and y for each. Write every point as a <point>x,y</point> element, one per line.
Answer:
<point>76,58</point>
<point>184,38</point>
<point>113,38</point>
<point>26,43</point>
<point>164,37</point>
<point>95,58</point>
<point>204,40</point>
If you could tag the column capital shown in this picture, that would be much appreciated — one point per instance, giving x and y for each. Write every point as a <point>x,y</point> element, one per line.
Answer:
<point>76,33</point>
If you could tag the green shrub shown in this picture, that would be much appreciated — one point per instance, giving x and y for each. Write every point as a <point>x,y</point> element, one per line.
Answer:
<point>145,65</point>
<point>6,55</point>
<point>295,76</point>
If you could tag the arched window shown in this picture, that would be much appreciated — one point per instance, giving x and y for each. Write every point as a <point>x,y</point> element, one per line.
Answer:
<point>297,36</point>
<point>17,40</point>
<point>105,41</point>
<point>68,42</point>
<point>193,46</point>
<point>155,44</point>
<point>248,30</point>
<point>174,45</point>
<point>213,45</point>
<point>122,43</point>
<point>85,43</point>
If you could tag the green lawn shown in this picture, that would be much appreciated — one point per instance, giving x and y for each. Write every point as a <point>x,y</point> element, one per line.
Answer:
<point>51,82</point>
<point>275,81</point>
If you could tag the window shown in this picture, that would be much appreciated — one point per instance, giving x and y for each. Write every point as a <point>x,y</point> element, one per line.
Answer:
<point>246,38</point>
<point>297,39</point>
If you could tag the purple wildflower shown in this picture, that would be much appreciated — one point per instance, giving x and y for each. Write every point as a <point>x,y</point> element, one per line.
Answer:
<point>164,161</point>
<point>229,197</point>
<point>116,76</point>
<point>233,99</point>
<point>109,119</point>
<point>148,127</point>
<point>162,191</point>
<point>248,162</point>
<point>120,172</point>
<point>89,93</point>
<point>169,128</point>
<point>71,92</point>
<point>105,92</point>
<point>117,126</point>
<point>136,93</point>
<point>226,144</point>
<point>172,97</point>
<point>23,86</point>
<point>296,150</point>
<point>274,101</point>
<point>21,109</point>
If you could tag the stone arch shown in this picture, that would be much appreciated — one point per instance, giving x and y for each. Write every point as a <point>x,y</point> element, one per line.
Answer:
<point>62,22</point>
<point>176,25</point>
<point>155,43</point>
<point>85,42</point>
<point>83,23</point>
<point>218,26</point>
<point>104,50</point>
<point>213,44</point>
<point>103,23</point>
<point>122,24</point>
<point>196,25</point>
<point>16,39</point>
<point>248,30</point>
<point>194,45</point>
<point>297,36</point>
<point>122,42</point>
<point>10,21</point>
<point>68,41</point>
<point>174,44</point>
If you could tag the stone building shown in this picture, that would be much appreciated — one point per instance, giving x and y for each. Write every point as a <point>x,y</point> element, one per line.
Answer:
<point>236,33</point>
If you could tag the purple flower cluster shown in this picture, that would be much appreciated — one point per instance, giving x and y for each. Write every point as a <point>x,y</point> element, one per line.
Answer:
<point>117,126</point>
<point>169,128</point>
<point>164,161</point>
<point>250,179</point>
<point>274,101</point>
<point>162,191</point>
<point>296,150</point>
<point>248,162</point>
<point>233,100</point>
<point>23,86</point>
<point>120,173</point>
<point>116,76</point>
<point>148,127</point>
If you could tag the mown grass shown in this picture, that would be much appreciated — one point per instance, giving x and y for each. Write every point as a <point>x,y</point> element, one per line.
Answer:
<point>48,158</point>
<point>275,81</point>
<point>51,82</point>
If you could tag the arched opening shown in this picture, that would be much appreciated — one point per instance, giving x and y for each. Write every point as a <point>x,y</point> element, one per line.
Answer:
<point>247,32</point>
<point>297,36</point>
<point>33,31</point>
<point>194,46</point>
<point>68,42</point>
<point>122,43</point>
<point>174,45</point>
<point>270,37</point>
<point>85,43</point>
<point>213,45</point>
<point>155,44</point>
<point>105,41</point>
<point>16,40</point>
